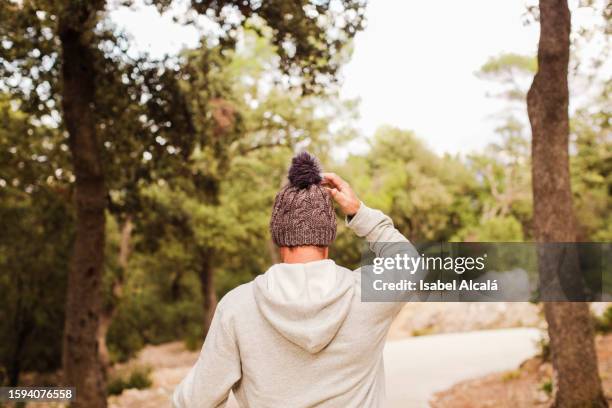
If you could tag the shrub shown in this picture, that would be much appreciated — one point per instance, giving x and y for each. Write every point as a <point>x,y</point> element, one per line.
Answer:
<point>425,331</point>
<point>511,375</point>
<point>544,345</point>
<point>115,386</point>
<point>139,378</point>
<point>547,387</point>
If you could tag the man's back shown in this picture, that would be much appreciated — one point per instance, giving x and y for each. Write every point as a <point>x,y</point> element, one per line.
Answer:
<point>299,335</point>
<point>323,347</point>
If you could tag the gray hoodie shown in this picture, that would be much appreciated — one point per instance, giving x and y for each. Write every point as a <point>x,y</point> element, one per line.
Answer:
<point>297,336</point>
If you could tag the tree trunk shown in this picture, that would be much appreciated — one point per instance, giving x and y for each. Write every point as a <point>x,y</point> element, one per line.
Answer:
<point>107,315</point>
<point>207,283</point>
<point>125,245</point>
<point>24,329</point>
<point>82,367</point>
<point>577,382</point>
<point>22,326</point>
<point>105,321</point>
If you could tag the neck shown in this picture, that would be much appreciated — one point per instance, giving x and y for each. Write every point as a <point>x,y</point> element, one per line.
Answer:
<point>303,254</point>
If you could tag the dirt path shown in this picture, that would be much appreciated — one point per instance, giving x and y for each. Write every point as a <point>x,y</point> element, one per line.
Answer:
<point>522,387</point>
<point>170,363</point>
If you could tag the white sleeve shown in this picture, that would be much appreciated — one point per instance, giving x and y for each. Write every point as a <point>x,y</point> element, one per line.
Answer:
<point>218,368</point>
<point>378,229</point>
<point>386,242</point>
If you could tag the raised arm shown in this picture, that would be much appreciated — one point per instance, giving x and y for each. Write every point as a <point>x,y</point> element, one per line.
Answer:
<point>382,237</point>
<point>368,223</point>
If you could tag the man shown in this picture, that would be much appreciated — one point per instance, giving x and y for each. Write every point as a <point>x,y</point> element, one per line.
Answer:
<point>299,335</point>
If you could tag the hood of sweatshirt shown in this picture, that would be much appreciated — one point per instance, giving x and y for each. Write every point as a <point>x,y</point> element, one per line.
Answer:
<point>306,303</point>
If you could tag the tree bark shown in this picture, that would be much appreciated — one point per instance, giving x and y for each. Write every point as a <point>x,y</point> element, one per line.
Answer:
<point>82,367</point>
<point>577,382</point>
<point>207,283</point>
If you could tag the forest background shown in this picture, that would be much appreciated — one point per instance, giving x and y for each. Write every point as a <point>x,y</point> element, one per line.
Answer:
<point>194,148</point>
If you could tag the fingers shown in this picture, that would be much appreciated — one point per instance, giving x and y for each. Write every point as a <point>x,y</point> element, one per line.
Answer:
<point>333,191</point>
<point>349,204</point>
<point>335,181</point>
<point>337,195</point>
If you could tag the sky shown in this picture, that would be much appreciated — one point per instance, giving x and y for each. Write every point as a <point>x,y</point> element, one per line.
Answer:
<point>413,66</point>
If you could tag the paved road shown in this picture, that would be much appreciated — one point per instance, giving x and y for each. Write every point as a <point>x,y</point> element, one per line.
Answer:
<point>418,367</point>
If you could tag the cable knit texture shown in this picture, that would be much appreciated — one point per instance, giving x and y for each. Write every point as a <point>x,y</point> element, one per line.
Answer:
<point>303,213</point>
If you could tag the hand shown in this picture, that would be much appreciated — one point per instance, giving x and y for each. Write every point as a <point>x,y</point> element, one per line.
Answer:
<point>342,193</point>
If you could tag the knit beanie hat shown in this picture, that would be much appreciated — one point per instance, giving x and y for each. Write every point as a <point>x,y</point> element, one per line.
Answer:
<point>303,212</point>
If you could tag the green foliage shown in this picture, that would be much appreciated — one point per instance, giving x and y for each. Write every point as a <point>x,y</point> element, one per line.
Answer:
<point>428,197</point>
<point>170,133</point>
<point>504,168</point>
<point>159,304</point>
<point>195,149</point>
<point>509,62</point>
<point>308,36</point>
<point>496,229</point>
<point>547,386</point>
<point>603,323</point>
<point>218,204</point>
<point>544,346</point>
<point>34,244</point>
<point>34,248</point>
<point>513,72</point>
<point>115,386</point>
<point>511,375</point>
<point>139,378</point>
<point>591,172</point>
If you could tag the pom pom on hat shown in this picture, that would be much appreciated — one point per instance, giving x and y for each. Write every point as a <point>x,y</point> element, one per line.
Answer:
<point>304,171</point>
